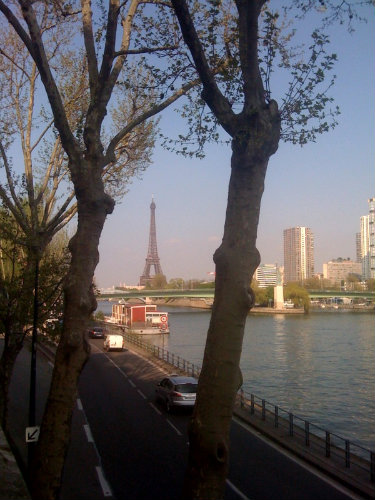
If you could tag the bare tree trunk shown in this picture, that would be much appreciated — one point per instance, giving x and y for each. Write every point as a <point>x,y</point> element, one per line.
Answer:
<point>73,350</point>
<point>236,260</point>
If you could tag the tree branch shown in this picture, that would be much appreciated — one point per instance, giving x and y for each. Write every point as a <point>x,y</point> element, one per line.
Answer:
<point>35,46</point>
<point>3,194</point>
<point>145,50</point>
<point>216,101</point>
<point>152,111</point>
<point>88,37</point>
<point>248,13</point>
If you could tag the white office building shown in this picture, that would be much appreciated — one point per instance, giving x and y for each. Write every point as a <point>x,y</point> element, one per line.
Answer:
<point>268,275</point>
<point>367,242</point>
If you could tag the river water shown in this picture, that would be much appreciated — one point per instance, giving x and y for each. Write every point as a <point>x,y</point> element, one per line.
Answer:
<point>319,366</point>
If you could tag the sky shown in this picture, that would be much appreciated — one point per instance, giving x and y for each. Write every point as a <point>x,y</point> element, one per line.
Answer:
<point>324,186</point>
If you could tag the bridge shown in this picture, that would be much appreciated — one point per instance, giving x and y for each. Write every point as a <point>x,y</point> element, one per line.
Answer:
<point>208,293</point>
<point>131,294</point>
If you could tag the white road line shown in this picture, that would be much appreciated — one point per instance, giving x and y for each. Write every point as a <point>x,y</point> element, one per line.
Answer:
<point>174,428</point>
<point>156,409</point>
<point>89,436</point>
<point>79,404</point>
<point>114,364</point>
<point>131,383</point>
<point>103,482</point>
<point>141,394</point>
<point>236,490</point>
<point>300,462</point>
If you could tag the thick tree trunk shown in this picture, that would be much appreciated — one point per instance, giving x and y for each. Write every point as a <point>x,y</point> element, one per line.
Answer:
<point>73,350</point>
<point>236,261</point>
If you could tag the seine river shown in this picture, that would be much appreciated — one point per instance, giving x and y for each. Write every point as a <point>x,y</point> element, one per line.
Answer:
<point>319,366</point>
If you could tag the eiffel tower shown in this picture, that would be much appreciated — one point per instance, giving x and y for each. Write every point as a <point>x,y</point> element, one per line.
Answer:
<point>152,258</point>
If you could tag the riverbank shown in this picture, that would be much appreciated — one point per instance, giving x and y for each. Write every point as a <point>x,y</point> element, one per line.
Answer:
<point>201,303</point>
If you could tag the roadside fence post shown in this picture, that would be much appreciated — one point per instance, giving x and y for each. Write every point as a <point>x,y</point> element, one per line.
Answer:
<point>328,444</point>
<point>263,409</point>
<point>291,424</point>
<point>307,433</point>
<point>372,465</point>
<point>276,417</point>
<point>347,453</point>
<point>241,398</point>
<point>252,404</point>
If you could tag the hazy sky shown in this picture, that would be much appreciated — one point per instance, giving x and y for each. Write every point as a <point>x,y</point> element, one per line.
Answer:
<point>324,186</point>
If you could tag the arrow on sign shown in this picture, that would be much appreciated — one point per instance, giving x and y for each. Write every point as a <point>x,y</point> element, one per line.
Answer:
<point>32,434</point>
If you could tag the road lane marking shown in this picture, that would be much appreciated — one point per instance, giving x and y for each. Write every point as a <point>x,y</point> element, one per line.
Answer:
<point>156,409</point>
<point>131,383</point>
<point>174,428</point>
<point>141,394</point>
<point>103,482</point>
<point>79,404</point>
<point>236,490</point>
<point>298,461</point>
<point>89,436</point>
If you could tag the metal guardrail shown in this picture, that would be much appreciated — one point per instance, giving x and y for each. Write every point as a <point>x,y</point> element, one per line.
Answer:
<point>316,440</point>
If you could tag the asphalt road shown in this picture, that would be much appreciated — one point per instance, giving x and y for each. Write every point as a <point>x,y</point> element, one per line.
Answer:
<point>126,446</point>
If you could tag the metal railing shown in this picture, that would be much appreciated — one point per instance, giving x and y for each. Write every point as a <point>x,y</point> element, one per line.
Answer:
<point>314,439</point>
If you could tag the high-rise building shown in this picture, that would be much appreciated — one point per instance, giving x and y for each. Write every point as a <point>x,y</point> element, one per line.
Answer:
<point>358,247</point>
<point>371,203</point>
<point>365,246</point>
<point>298,254</point>
<point>367,225</point>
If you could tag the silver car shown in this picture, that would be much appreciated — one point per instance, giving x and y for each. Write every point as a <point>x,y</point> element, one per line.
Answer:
<point>177,391</point>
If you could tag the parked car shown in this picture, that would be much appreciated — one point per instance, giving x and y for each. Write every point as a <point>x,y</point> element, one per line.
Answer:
<point>177,391</point>
<point>96,332</point>
<point>113,342</point>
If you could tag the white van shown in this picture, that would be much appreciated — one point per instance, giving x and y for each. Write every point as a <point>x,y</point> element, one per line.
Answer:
<point>113,342</point>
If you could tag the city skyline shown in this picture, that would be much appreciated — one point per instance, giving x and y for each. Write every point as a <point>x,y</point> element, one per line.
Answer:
<point>324,186</point>
<point>280,263</point>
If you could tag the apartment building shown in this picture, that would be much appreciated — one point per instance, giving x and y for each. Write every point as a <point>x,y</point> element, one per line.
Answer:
<point>298,254</point>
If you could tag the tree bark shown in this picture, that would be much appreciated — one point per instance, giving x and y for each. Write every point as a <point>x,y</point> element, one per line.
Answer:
<point>73,350</point>
<point>236,261</point>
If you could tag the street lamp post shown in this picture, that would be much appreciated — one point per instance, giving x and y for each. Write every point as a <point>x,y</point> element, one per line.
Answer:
<point>32,395</point>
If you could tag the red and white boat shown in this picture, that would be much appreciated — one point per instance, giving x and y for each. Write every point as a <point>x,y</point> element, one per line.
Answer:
<point>140,317</point>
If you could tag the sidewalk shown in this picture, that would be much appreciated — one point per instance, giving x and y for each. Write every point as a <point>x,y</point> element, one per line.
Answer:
<point>12,484</point>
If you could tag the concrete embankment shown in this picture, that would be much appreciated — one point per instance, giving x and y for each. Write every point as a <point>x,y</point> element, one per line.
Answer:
<point>202,303</point>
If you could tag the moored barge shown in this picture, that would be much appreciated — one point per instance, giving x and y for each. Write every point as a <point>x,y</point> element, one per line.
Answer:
<point>140,317</point>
